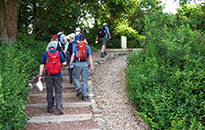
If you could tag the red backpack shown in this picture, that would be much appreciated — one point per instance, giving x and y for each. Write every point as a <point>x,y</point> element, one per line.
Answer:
<point>53,65</point>
<point>81,51</point>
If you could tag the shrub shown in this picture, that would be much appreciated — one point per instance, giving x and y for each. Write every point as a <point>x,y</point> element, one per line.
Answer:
<point>166,82</point>
<point>133,38</point>
<point>18,62</point>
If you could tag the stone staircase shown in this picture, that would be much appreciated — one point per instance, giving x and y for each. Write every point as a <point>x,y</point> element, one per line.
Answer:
<point>78,114</point>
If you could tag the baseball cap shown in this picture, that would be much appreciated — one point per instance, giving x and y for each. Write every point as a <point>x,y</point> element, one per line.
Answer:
<point>81,37</point>
<point>54,36</point>
<point>52,44</point>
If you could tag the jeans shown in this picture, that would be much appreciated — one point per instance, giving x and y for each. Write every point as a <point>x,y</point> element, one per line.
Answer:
<point>56,82</point>
<point>81,68</point>
<point>70,71</point>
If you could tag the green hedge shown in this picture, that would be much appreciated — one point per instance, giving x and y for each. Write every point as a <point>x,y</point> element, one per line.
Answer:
<point>18,62</point>
<point>166,81</point>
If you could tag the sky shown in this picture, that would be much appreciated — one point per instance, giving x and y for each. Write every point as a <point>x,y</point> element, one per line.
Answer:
<point>172,5</point>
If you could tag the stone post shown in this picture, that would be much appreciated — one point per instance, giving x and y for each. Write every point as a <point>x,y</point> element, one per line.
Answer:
<point>123,42</point>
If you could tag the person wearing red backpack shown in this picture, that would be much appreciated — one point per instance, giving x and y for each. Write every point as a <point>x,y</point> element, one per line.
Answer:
<point>52,61</point>
<point>81,54</point>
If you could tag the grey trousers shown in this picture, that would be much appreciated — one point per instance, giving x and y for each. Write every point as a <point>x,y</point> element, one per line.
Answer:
<point>81,68</point>
<point>104,41</point>
<point>55,82</point>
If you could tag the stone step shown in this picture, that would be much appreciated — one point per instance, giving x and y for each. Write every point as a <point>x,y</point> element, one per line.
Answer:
<point>35,90</point>
<point>64,85</point>
<point>61,118</point>
<point>65,105</point>
<point>40,111</point>
<point>43,100</point>
<point>64,77</point>
<point>74,125</point>
<point>63,94</point>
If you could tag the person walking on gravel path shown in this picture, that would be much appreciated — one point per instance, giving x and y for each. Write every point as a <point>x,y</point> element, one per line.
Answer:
<point>52,61</point>
<point>103,34</point>
<point>81,53</point>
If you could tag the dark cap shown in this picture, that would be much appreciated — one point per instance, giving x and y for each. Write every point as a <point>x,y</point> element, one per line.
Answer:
<point>81,37</point>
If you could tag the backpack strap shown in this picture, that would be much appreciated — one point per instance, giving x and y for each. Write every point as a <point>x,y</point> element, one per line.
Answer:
<point>49,53</point>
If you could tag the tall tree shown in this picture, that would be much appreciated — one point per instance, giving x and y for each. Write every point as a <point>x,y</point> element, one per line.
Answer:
<point>8,20</point>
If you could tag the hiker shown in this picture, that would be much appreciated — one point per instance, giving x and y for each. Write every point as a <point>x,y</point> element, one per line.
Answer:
<point>77,34</point>
<point>62,41</point>
<point>81,53</point>
<point>103,34</point>
<point>54,39</point>
<point>52,61</point>
<point>68,50</point>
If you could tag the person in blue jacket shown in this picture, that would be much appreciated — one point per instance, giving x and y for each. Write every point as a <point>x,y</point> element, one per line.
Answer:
<point>104,40</point>
<point>81,68</point>
<point>52,80</point>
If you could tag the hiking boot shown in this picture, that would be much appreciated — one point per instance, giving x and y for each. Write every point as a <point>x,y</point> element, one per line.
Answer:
<point>60,112</point>
<point>102,55</point>
<point>50,111</point>
<point>84,98</point>
<point>71,81</point>
<point>105,53</point>
<point>79,91</point>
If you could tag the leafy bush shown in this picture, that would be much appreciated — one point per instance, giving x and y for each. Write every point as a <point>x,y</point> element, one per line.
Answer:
<point>18,62</point>
<point>166,82</point>
<point>192,15</point>
<point>133,38</point>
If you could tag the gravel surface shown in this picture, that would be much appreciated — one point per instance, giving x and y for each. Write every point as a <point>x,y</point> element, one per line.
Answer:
<point>111,97</point>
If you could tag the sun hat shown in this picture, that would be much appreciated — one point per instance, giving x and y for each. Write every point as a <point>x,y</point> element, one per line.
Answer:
<point>52,44</point>
<point>104,24</point>
<point>77,30</point>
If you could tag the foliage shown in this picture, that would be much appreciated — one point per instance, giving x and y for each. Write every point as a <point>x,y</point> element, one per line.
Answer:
<point>35,17</point>
<point>166,81</point>
<point>192,15</point>
<point>133,37</point>
<point>47,17</point>
<point>18,62</point>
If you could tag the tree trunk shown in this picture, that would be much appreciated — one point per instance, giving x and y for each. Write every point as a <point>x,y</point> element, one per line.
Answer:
<point>8,21</point>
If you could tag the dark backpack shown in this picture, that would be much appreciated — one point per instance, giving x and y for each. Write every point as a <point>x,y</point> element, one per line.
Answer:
<point>60,46</point>
<point>102,32</point>
<point>70,47</point>
<point>81,53</point>
<point>53,65</point>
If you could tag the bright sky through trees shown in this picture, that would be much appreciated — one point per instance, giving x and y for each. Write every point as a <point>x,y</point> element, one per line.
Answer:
<point>172,5</point>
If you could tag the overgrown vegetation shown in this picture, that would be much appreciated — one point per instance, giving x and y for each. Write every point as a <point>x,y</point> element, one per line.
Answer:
<point>18,63</point>
<point>166,80</point>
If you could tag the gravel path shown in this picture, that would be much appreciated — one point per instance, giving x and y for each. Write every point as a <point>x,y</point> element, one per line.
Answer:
<point>111,97</point>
